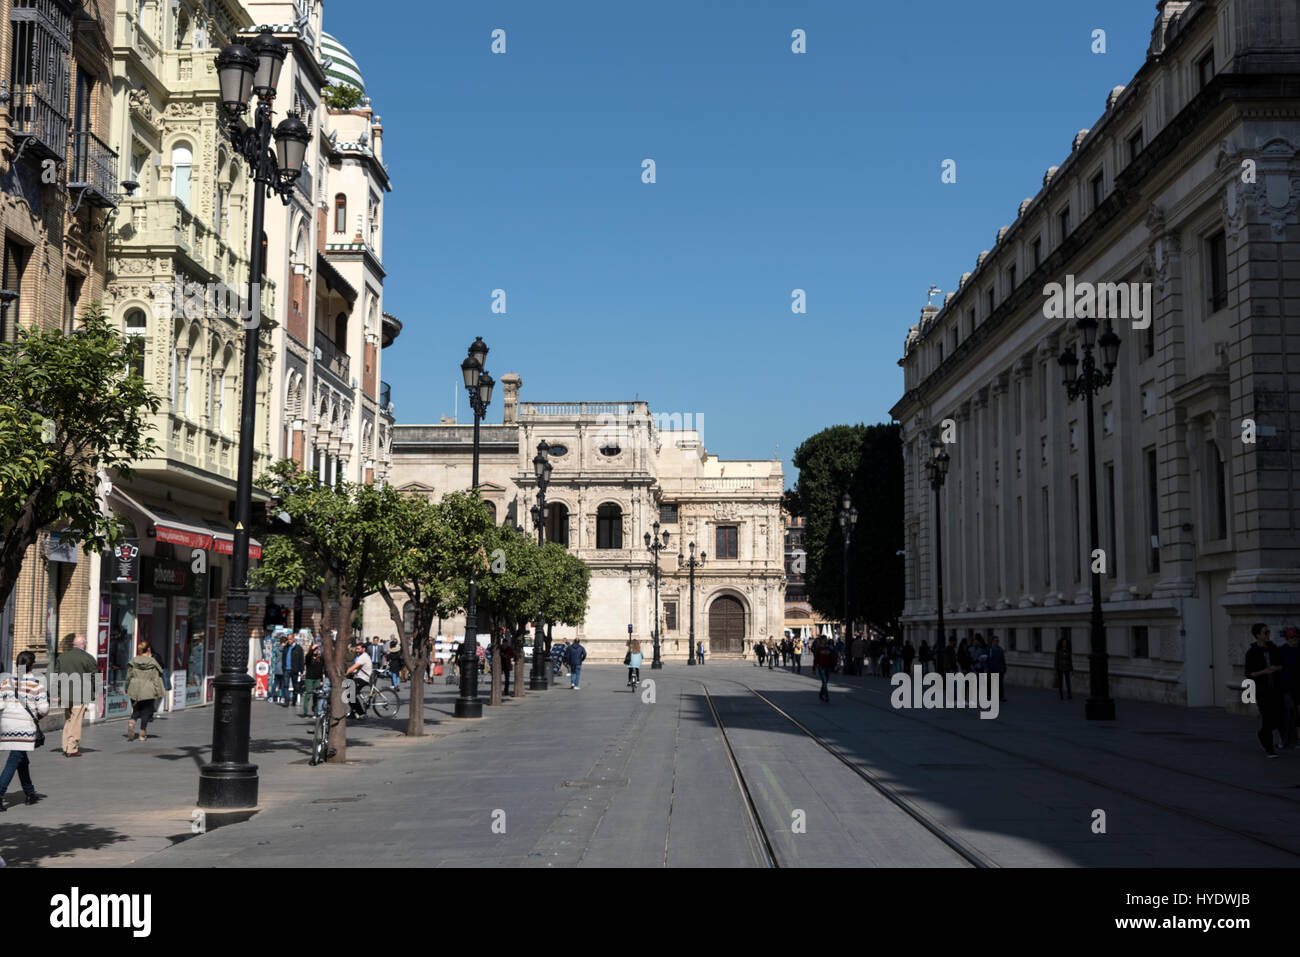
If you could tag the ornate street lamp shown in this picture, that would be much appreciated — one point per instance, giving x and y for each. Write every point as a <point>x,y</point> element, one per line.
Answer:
<point>848,518</point>
<point>655,545</point>
<point>692,563</point>
<point>938,469</point>
<point>479,386</point>
<point>537,681</point>
<point>229,780</point>
<point>1087,382</point>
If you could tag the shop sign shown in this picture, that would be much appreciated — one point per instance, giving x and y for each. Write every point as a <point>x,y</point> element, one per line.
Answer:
<point>178,690</point>
<point>176,536</point>
<point>62,548</point>
<point>126,558</point>
<point>166,576</point>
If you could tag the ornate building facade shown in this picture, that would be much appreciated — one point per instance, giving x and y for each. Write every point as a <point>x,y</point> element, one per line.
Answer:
<point>1188,185</point>
<point>617,469</point>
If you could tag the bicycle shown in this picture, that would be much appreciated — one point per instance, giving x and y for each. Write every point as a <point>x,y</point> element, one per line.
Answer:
<point>384,701</point>
<point>320,749</point>
<point>635,680</point>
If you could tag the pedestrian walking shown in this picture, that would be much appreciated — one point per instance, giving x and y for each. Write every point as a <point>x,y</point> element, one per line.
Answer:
<point>948,659</point>
<point>507,662</point>
<point>1290,655</point>
<point>979,653</point>
<point>923,655</point>
<point>963,656</point>
<point>824,659</point>
<point>313,670</point>
<point>634,661</point>
<point>838,648</point>
<point>277,671</point>
<point>577,655</point>
<point>145,687</point>
<point>796,654</point>
<point>909,653</point>
<point>23,700</point>
<point>760,653</point>
<point>1262,664</point>
<point>997,664</point>
<point>74,673</point>
<point>699,652</point>
<point>395,664</point>
<point>859,654</point>
<point>1064,668</point>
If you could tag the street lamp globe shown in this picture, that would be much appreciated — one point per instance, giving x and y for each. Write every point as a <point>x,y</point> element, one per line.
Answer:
<point>941,463</point>
<point>646,537</point>
<point>478,350</point>
<point>1087,327</point>
<point>236,65</point>
<point>291,139</point>
<point>853,515</point>
<point>270,53</point>
<point>1109,343</point>
<point>471,369</point>
<point>537,515</point>
<point>485,384</point>
<point>1069,363</point>
<point>539,465</point>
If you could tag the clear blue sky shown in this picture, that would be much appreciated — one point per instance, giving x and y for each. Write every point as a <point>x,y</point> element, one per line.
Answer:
<point>775,171</point>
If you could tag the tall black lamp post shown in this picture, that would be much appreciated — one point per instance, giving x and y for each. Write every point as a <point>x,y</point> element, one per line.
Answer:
<point>479,386</point>
<point>1090,380</point>
<point>542,467</point>
<point>848,518</point>
<point>229,780</point>
<point>655,545</point>
<point>938,469</point>
<point>692,563</point>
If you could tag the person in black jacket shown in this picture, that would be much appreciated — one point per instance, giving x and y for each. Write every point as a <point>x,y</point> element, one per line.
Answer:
<point>292,655</point>
<point>313,672</point>
<point>1263,662</point>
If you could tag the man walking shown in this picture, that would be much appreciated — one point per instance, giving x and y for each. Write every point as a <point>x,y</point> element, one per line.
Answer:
<point>1262,664</point>
<point>293,662</point>
<point>997,665</point>
<point>577,655</point>
<point>859,654</point>
<point>824,660</point>
<point>75,672</point>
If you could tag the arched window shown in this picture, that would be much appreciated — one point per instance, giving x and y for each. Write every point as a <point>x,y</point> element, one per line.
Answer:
<point>492,510</point>
<point>609,527</point>
<point>182,160</point>
<point>136,327</point>
<point>182,29</point>
<point>557,523</point>
<point>340,213</point>
<point>341,330</point>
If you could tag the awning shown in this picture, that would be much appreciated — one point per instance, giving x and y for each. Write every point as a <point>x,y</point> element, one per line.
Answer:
<point>190,532</point>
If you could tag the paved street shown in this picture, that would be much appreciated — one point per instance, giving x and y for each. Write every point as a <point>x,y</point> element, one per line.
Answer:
<point>599,777</point>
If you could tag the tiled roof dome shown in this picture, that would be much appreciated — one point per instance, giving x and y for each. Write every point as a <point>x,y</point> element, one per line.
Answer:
<point>342,69</point>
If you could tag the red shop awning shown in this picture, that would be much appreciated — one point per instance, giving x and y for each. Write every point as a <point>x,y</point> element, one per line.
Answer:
<point>187,531</point>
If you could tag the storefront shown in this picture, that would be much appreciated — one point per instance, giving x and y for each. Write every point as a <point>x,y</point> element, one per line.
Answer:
<point>119,575</point>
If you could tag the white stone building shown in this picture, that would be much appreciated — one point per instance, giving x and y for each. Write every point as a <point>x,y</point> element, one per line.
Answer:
<point>1189,181</point>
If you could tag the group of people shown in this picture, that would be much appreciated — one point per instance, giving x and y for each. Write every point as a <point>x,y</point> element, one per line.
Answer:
<point>298,674</point>
<point>1275,671</point>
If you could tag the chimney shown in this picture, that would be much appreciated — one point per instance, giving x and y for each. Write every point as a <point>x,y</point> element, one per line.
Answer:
<point>511,383</point>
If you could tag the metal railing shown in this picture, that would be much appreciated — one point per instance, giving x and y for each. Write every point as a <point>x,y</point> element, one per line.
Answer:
<point>385,395</point>
<point>333,358</point>
<point>94,166</point>
<point>42,31</point>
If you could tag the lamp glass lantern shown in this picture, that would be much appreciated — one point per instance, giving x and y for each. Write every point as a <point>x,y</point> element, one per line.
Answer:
<point>291,139</point>
<point>1069,363</point>
<point>270,53</point>
<point>1087,327</point>
<point>478,350</point>
<point>1109,343</point>
<point>236,65</point>
<point>471,369</point>
<point>539,465</point>
<point>485,384</point>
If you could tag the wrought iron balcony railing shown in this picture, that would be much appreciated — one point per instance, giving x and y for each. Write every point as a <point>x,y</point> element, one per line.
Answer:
<point>39,75</point>
<point>94,168</point>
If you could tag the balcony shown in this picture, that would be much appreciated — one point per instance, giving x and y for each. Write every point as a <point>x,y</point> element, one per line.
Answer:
<point>94,166</point>
<point>333,359</point>
<point>385,396</point>
<point>41,31</point>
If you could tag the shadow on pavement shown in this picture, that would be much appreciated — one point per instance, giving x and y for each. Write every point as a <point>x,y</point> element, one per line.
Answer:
<point>29,844</point>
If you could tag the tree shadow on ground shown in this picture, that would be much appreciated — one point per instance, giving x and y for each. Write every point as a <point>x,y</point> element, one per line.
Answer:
<point>30,844</point>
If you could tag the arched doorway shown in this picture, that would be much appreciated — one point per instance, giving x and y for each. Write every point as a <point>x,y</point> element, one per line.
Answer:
<point>726,626</point>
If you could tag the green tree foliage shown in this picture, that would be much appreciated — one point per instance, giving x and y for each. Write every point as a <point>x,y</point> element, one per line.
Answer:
<point>338,542</point>
<point>70,409</point>
<point>866,462</point>
<point>342,96</point>
<point>437,546</point>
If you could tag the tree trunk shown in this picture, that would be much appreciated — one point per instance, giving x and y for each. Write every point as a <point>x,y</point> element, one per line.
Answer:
<point>518,645</point>
<point>494,649</point>
<point>417,661</point>
<point>335,650</point>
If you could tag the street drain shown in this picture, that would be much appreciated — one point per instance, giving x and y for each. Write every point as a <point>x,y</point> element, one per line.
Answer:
<point>339,800</point>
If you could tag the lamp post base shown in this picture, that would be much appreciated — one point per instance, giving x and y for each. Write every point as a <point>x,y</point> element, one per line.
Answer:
<point>468,708</point>
<point>1099,709</point>
<point>690,661</point>
<point>228,785</point>
<point>656,665</point>
<point>537,683</point>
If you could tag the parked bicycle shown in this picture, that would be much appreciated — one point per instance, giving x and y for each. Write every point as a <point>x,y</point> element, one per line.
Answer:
<point>320,749</point>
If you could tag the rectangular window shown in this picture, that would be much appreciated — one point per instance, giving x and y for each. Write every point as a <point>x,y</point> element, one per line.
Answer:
<point>70,306</point>
<point>1036,639</point>
<point>1149,341</point>
<point>726,538</point>
<point>1141,643</point>
<point>940,353</point>
<point>1045,535</point>
<point>668,514</point>
<point>1217,247</point>
<point>1019,403</point>
<point>1038,252</point>
<point>609,527</point>
<point>1011,639</point>
<point>1063,219</point>
<point>1074,529</point>
<point>1205,69</point>
<point>1153,511</point>
<point>1065,633</point>
<point>1135,145</point>
<point>670,616</point>
<point>1098,191</point>
<point>1011,278</point>
<point>1220,491</point>
<point>990,300</point>
<point>1042,390</point>
<point>971,317</point>
<point>1110,515</point>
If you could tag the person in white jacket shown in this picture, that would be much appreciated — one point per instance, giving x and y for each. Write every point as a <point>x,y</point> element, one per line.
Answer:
<point>23,701</point>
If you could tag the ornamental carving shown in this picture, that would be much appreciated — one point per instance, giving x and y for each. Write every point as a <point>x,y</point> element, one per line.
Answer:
<point>140,105</point>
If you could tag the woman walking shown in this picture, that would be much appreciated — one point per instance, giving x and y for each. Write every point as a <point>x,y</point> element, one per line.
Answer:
<point>1064,666</point>
<point>313,671</point>
<point>963,656</point>
<point>634,661</point>
<point>22,702</point>
<point>144,686</point>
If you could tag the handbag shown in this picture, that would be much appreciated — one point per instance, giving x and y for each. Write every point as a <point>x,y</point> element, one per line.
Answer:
<point>40,735</point>
<point>627,658</point>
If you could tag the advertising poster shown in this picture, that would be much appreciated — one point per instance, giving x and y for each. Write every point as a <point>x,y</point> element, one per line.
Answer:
<point>209,690</point>
<point>101,660</point>
<point>178,690</point>
<point>263,676</point>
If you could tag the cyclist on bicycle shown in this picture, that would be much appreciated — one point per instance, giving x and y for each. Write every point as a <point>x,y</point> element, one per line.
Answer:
<point>360,671</point>
<point>634,662</point>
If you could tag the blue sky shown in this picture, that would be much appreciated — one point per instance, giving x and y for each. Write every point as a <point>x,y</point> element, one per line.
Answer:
<point>775,171</point>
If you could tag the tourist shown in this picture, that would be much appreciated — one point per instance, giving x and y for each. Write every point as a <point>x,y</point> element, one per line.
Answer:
<point>145,686</point>
<point>75,672</point>
<point>1064,668</point>
<point>23,700</point>
<point>634,661</point>
<point>997,665</point>
<point>1262,664</point>
<point>577,655</point>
